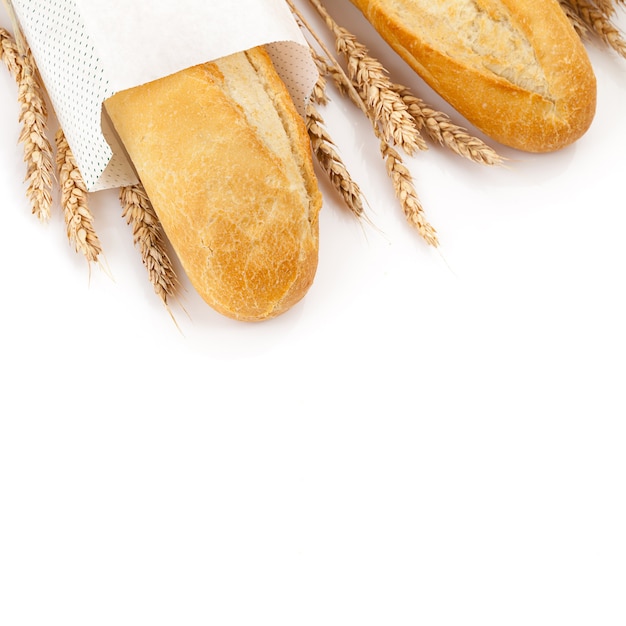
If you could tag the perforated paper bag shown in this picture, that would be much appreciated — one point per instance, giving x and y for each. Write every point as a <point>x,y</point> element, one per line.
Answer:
<point>87,50</point>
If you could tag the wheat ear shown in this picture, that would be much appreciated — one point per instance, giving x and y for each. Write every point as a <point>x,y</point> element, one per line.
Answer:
<point>374,87</point>
<point>608,7</point>
<point>37,148</point>
<point>440,128</point>
<point>319,94</point>
<point>400,176</point>
<point>331,163</point>
<point>437,125</point>
<point>405,192</point>
<point>74,202</point>
<point>33,116</point>
<point>149,237</point>
<point>597,18</point>
<point>582,30</point>
<point>9,53</point>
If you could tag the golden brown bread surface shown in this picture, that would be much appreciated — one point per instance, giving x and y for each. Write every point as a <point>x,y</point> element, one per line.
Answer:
<point>515,69</point>
<point>226,162</point>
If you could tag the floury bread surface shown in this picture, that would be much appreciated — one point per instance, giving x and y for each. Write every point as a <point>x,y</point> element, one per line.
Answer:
<point>226,162</point>
<point>515,69</point>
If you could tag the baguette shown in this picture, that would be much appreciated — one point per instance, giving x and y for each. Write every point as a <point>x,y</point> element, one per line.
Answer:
<point>226,161</point>
<point>515,69</point>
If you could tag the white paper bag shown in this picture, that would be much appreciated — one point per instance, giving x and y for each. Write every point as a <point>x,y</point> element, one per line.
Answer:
<point>87,50</point>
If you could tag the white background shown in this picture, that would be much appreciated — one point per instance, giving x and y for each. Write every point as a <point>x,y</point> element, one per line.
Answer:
<point>430,437</point>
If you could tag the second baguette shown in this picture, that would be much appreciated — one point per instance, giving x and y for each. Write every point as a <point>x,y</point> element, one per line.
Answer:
<point>516,69</point>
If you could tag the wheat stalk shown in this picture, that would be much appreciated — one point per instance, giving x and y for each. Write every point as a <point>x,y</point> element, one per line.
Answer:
<point>320,93</point>
<point>74,202</point>
<point>437,125</point>
<point>440,128</point>
<point>405,191</point>
<point>322,145</point>
<point>374,87</point>
<point>329,67</point>
<point>37,148</point>
<point>149,237</point>
<point>376,90</point>
<point>33,116</point>
<point>608,7</point>
<point>582,30</point>
<point>400,176</point>
<point>331,163</point>
<point>9,53</point>
<point>597,18</point>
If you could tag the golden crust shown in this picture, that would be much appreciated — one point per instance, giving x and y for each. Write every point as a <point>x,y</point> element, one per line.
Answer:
<point>515,69</point>
<point>225,159</point>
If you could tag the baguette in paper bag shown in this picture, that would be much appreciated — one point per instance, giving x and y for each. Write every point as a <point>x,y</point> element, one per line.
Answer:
<point>225,159</point>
